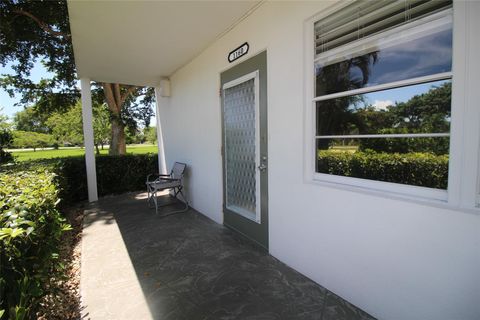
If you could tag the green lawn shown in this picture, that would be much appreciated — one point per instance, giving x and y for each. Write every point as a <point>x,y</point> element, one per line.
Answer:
<point>24,155</point>
<point>350,149</point>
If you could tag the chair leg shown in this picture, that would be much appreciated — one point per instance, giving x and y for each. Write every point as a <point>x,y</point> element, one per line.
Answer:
<point>176,191</point>
<point>184,198</point>
<point>153,198</point>
<point>155,201</point>
<point>150,196</point>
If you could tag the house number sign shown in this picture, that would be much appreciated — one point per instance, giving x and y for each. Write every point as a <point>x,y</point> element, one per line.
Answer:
<point>238,52</point>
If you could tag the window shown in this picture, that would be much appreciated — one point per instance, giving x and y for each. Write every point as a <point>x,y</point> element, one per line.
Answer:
<point>382,92</point>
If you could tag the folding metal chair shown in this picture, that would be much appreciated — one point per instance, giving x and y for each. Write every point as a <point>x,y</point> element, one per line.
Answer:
<point>173,181</point>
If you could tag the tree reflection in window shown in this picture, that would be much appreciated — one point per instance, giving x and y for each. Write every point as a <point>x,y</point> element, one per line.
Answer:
<point>398,128</point>
<point>428,111</point>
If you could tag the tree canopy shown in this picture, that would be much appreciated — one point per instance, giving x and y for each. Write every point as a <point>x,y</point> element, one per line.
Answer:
<point>29,119</point>
<point>428,112</point>
<point>26,139</point>
<point>40,31</point>
<point>150,134</point>
<point>67,127</point>
<point>32,30</point>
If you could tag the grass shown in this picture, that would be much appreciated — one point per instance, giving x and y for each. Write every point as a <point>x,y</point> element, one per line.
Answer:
<point>25,155</point>
<point>351,149</point>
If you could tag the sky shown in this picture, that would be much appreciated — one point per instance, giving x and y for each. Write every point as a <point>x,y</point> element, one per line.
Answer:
<point>7,103</point>
<point>382,99</point>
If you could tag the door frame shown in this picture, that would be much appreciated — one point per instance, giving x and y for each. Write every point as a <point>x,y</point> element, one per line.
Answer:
<point>252,68</point>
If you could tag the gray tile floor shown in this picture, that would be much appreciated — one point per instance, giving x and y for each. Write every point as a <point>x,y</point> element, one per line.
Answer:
<point>189,267</point>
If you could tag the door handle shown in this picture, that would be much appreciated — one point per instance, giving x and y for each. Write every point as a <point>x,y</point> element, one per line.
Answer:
<point>262,167</point>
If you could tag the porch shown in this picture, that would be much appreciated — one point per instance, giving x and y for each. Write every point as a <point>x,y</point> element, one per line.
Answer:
<point>137,265</point>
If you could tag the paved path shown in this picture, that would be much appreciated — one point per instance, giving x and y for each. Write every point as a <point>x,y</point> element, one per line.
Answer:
<point>136,265</point>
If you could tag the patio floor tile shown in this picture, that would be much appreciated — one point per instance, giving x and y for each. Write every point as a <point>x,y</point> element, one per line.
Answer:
<point>138,265</point>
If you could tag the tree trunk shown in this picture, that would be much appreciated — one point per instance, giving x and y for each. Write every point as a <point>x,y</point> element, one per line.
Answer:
<point>96,147</point>
<point>115,99</point>
<point>117,143</point>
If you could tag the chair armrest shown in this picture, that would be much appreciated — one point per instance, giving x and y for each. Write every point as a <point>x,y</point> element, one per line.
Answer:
<point>167,179</point>
<point>154,175</point>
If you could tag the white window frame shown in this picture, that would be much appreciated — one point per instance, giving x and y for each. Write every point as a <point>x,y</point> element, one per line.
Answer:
<point>463,182</point>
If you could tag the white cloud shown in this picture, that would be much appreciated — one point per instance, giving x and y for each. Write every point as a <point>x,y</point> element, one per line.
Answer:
<point>382,104</point>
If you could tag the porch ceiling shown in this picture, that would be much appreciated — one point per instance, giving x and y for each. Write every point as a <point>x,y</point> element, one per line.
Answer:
<point>139,42</point>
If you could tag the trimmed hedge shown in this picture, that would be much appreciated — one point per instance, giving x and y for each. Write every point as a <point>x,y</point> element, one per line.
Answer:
<point>419,169</point>
<point>115,174</point>
<point>31,225</point>
<point>437,145</point>
<point>30,231</point>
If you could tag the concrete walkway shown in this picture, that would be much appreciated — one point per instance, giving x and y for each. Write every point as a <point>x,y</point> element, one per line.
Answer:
<point>109,285</point>
<point>137,265</point>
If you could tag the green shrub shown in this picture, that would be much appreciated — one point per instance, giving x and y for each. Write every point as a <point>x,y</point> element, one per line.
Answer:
<point>6,139</point>
<point>435,145</point>
<point>115,174</point>
<point>5,156</point>
<point>31,224</point>
<point>30,231</point>
<point>27,139</point>
<point>419,169</point>
<point>119,174</point>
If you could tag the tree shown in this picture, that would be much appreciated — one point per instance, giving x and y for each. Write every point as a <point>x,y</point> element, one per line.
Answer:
<point>26,139</point>
<point>32,30</point>
<point>335,116</point>
<point>427,112</point>
<point>151,134</point>
<point>101,125</point>
<point>30,119</point>
<point>123,109</point>
<point>134,136</point>
<point>67,127</point>
<point>4,125</point>
<point>6,139</point>
<point>370,120</point>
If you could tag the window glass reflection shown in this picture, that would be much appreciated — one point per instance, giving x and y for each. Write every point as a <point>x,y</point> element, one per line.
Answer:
<point>408,59</point>
<point>431,145</point>
<point>421,108</point>
<point>414,161</point>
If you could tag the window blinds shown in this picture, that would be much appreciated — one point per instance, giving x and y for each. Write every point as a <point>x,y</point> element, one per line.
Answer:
<point>364,18</point>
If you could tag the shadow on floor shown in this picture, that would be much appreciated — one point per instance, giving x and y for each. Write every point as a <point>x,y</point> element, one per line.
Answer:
<point>189,267</point>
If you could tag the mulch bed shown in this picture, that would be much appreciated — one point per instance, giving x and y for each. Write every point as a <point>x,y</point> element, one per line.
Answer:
<point>63,299</point>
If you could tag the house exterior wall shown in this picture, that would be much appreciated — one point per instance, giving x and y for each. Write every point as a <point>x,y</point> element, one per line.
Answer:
<point>394,258</point>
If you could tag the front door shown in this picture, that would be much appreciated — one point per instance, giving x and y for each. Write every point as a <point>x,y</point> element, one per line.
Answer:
<point>245,158</point>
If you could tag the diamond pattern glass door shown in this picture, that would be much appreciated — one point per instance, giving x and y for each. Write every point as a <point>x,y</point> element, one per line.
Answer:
<point>241,148</point>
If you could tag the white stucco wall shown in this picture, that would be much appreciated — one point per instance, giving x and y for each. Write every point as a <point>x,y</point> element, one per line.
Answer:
<point>392,258</point>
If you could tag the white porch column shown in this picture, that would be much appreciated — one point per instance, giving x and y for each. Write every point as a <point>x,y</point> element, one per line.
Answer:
<point>88,139</point>
<point>161,96</point>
